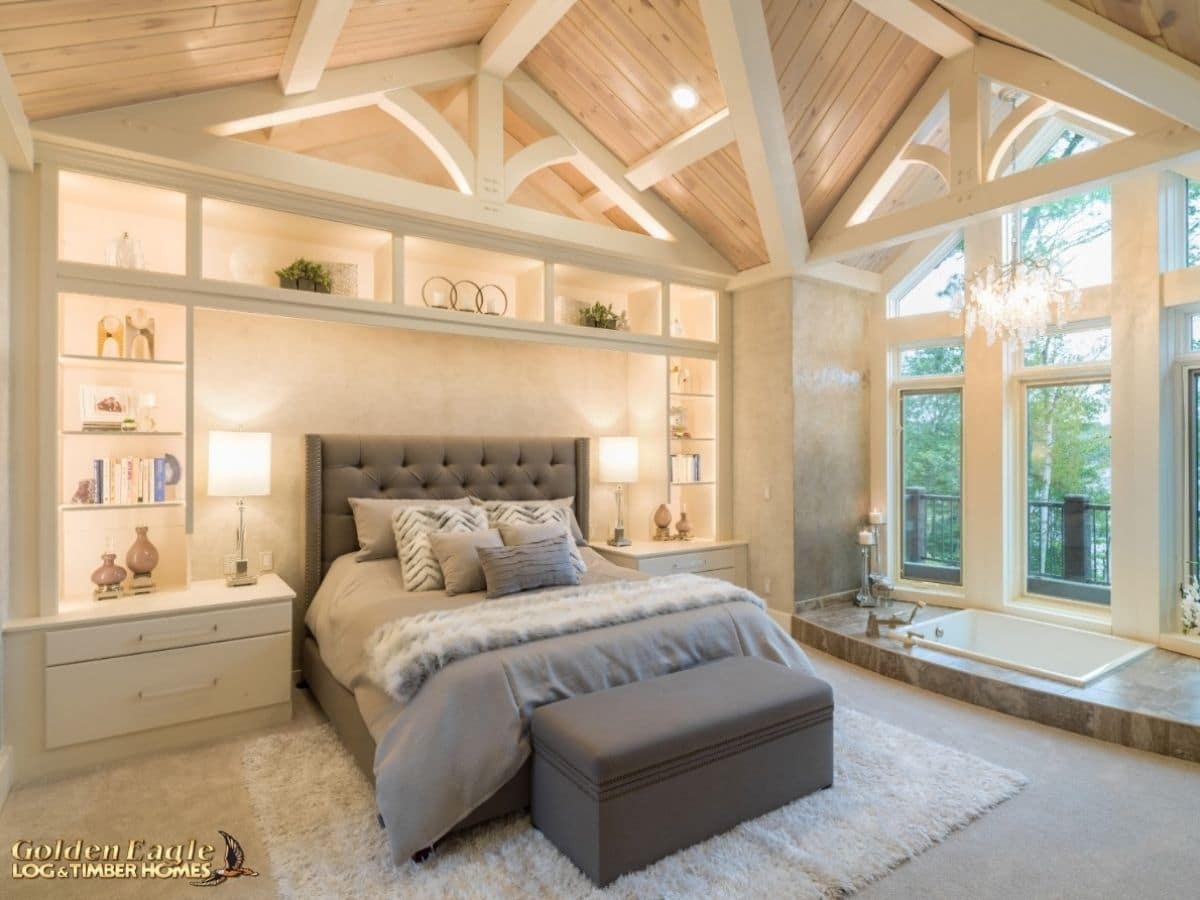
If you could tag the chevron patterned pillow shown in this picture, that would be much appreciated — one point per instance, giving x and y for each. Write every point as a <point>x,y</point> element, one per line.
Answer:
<point>518,514</point>
<point>413,524</point>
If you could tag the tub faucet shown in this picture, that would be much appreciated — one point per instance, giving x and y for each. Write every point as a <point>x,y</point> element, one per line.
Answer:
<point>893,621</point>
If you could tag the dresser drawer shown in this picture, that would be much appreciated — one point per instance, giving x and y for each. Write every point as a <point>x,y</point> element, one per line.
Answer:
<point>729,575</point>
<point>91,700</point>
<point>698,561</point>
<point>148,635</point>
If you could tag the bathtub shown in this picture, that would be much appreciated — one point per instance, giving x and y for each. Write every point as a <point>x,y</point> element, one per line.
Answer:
<point>1064,654</point>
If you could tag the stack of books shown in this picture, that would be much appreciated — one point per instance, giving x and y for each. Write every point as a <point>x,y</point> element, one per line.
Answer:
<point>129,479</point>
<point>685,467</point>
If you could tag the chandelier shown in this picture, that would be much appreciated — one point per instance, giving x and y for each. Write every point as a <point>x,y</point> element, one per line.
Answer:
<point>1020,299</point>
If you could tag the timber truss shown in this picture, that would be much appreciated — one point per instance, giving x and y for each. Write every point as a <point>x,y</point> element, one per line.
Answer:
<point>1143,102</point>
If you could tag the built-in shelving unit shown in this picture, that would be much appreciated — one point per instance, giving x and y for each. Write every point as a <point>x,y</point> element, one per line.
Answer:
<point>128,239</point>
<point>122,363</point>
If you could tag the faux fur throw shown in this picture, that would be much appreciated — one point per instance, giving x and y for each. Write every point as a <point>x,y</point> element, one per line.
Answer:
<point>404,654</point>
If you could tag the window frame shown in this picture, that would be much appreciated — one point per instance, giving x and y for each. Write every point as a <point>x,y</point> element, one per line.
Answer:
<point>901,288</point>
<point>923,384</point>
<point>1187,372</point>
<point>1071,327</point>
<point>1022,380</point>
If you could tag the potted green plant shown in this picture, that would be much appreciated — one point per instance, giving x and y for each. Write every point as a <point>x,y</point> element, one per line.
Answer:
<point>600,316</point>
<point>305,275</point>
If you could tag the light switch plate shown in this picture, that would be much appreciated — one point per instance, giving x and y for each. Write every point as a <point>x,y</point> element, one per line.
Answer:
<point>266,560</point>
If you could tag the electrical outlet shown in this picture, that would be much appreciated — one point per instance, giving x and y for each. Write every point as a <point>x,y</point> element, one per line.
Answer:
<point>767,586</point>
<point>767,492</point>
<point>228,563</point>
<point>266,560</point>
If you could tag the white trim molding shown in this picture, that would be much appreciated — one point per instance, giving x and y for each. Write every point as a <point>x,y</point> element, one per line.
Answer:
<point>420,117</point>
<point>518,30</point>
<point>314,33</point>
<point>16,140</point>
<point>713,134</point>
<point>926,23</point>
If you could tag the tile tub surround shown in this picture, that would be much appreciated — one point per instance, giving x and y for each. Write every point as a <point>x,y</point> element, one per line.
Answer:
<point>1151,703</point>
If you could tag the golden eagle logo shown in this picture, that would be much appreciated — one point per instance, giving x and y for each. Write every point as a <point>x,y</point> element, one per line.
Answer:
<point>235,859</point>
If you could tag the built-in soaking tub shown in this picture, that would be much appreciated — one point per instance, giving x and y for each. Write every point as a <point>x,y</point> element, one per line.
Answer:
<point>1065,654</point>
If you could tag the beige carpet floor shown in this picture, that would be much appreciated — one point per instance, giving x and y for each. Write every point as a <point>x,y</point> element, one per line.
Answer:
<point>1096,821</point>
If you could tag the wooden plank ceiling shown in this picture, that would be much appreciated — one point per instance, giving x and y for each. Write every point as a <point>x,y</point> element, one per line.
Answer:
<point>613,65</point>
<point>1174,24</point>
<point>844,77</point>
<point>70,56</point>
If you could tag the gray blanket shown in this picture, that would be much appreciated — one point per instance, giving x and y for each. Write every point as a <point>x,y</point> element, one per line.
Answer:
<point>465,734</point>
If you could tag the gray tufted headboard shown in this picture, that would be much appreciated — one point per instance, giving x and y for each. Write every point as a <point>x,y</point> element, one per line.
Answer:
<point>341,466</point>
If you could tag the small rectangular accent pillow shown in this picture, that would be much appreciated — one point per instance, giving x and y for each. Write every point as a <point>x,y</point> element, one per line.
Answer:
<point>413,525</point>
<point>373,522</point>
<point>531,512</point>
<point>510,570</point>
<point>457,555</point>
<point>515,535</point>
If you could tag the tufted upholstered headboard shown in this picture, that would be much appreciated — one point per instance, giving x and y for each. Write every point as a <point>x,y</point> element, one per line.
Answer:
<point>341,466</point>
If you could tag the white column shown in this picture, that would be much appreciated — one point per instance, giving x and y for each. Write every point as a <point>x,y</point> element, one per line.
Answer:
<point>987,538</point>
<point>1143,576</point>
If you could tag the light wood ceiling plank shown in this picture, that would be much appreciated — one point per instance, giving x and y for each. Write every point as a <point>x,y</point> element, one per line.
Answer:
<point>260,11</point>
<point>796,107</point>
<point>63,12</point>
<point>803,39</point>
<point>176,42</point>
<point>25,39</point>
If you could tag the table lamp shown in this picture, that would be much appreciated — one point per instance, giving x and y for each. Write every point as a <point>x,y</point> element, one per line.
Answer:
<point>619,466</point>
<point>239,465</point>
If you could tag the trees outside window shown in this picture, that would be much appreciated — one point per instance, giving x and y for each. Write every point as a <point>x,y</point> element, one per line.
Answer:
<point>1073,232</point>
<point>937,287</point>
<point>1069,490</point>
<point>931,482</point>
<point>1193,223</point>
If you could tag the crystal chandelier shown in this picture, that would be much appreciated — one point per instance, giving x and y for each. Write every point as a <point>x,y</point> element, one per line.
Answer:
<point>1021,299</point>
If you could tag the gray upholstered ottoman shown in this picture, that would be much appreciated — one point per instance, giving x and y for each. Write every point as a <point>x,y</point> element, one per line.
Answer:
<point>626,776</point>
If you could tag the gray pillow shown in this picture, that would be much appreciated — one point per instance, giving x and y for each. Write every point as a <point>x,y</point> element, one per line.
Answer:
<point>509,570</point>
<point>373,522</point>
<point>457,555</point>
<point>515,535</point>
<point>531,512</point>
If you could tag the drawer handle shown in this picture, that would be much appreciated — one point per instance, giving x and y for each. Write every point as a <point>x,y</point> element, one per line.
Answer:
<point>176,635</point>
<point>172,692</point>
<point>690,566</point>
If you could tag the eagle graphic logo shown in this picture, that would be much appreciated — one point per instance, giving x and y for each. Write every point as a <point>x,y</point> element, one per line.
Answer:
<point>235,859</point>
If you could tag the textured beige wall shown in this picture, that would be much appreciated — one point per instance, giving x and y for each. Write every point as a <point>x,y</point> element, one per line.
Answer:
<point>762,437</point>
<point>800,421</point>
<point>831,426</point>
<point>292,377</point>
<point>6,381</point>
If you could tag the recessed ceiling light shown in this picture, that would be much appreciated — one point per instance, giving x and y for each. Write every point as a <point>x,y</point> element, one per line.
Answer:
<point>685,96</point>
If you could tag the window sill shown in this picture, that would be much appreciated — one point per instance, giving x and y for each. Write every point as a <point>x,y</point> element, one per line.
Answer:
<point>1187,644</point>
<point>1045,609</point>
<point>936,594</point>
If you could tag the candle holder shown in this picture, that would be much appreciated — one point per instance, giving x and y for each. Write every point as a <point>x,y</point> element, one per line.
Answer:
<point>864,597</point>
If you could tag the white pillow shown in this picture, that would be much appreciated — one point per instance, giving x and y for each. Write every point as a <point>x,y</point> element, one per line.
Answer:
<point>373,522</point>
<point>530,507</point>
<point>412,526</point>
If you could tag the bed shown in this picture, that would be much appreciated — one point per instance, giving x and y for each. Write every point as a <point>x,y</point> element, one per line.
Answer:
<point>457,753</point>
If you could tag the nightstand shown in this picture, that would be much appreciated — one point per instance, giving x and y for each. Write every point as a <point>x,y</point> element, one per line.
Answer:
<point>138,673</point>
<point>719,559</point>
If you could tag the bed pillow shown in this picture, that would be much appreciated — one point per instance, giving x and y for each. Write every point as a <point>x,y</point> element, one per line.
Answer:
<point>373,522</point>
<point>509,570</point>
<point>413,525</point>
<point>532,512</point>
<point>516,535</point>
<point>458,557</point>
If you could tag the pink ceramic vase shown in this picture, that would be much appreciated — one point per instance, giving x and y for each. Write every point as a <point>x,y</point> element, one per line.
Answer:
<point>142,557</point>
<point>109,574</point>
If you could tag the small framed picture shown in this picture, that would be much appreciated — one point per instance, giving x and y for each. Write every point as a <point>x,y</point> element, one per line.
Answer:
<point>101,406</point>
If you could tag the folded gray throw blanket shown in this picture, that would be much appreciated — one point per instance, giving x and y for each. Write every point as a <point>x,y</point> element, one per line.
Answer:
<point>404,654</point>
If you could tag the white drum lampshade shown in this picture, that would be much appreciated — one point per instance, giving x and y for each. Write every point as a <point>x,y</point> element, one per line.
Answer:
<point>618,460</point>
<point>239,463</point>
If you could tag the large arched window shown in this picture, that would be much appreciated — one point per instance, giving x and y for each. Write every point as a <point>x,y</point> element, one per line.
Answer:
<point>1193,223</point>
<point>933,285</point>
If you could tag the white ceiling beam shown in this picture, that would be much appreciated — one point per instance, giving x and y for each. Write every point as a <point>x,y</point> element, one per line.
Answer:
<point>16,142</point>
<point>423,119</point>
<point>741,48</point>
<point>486,111</point>
<point>970,107</point>
<point>932,157</point>
<point>597,201</point>
<point>885,165</point>
<point>249,107</point>
<point>1046,78</point>
<point>926,23</point>
<point>597,163</point>
<point>713,134</point>
<point>1097,48</point>
<point>1154,150</point>
<point>519,29</point>
<point>541,154</point>
<point>121,134</point>
<point>314,33</point>
<point>829,273</point>
<point>1010,130</point>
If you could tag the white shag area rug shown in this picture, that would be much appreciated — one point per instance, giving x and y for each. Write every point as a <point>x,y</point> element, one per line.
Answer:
<point>895,795</point>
